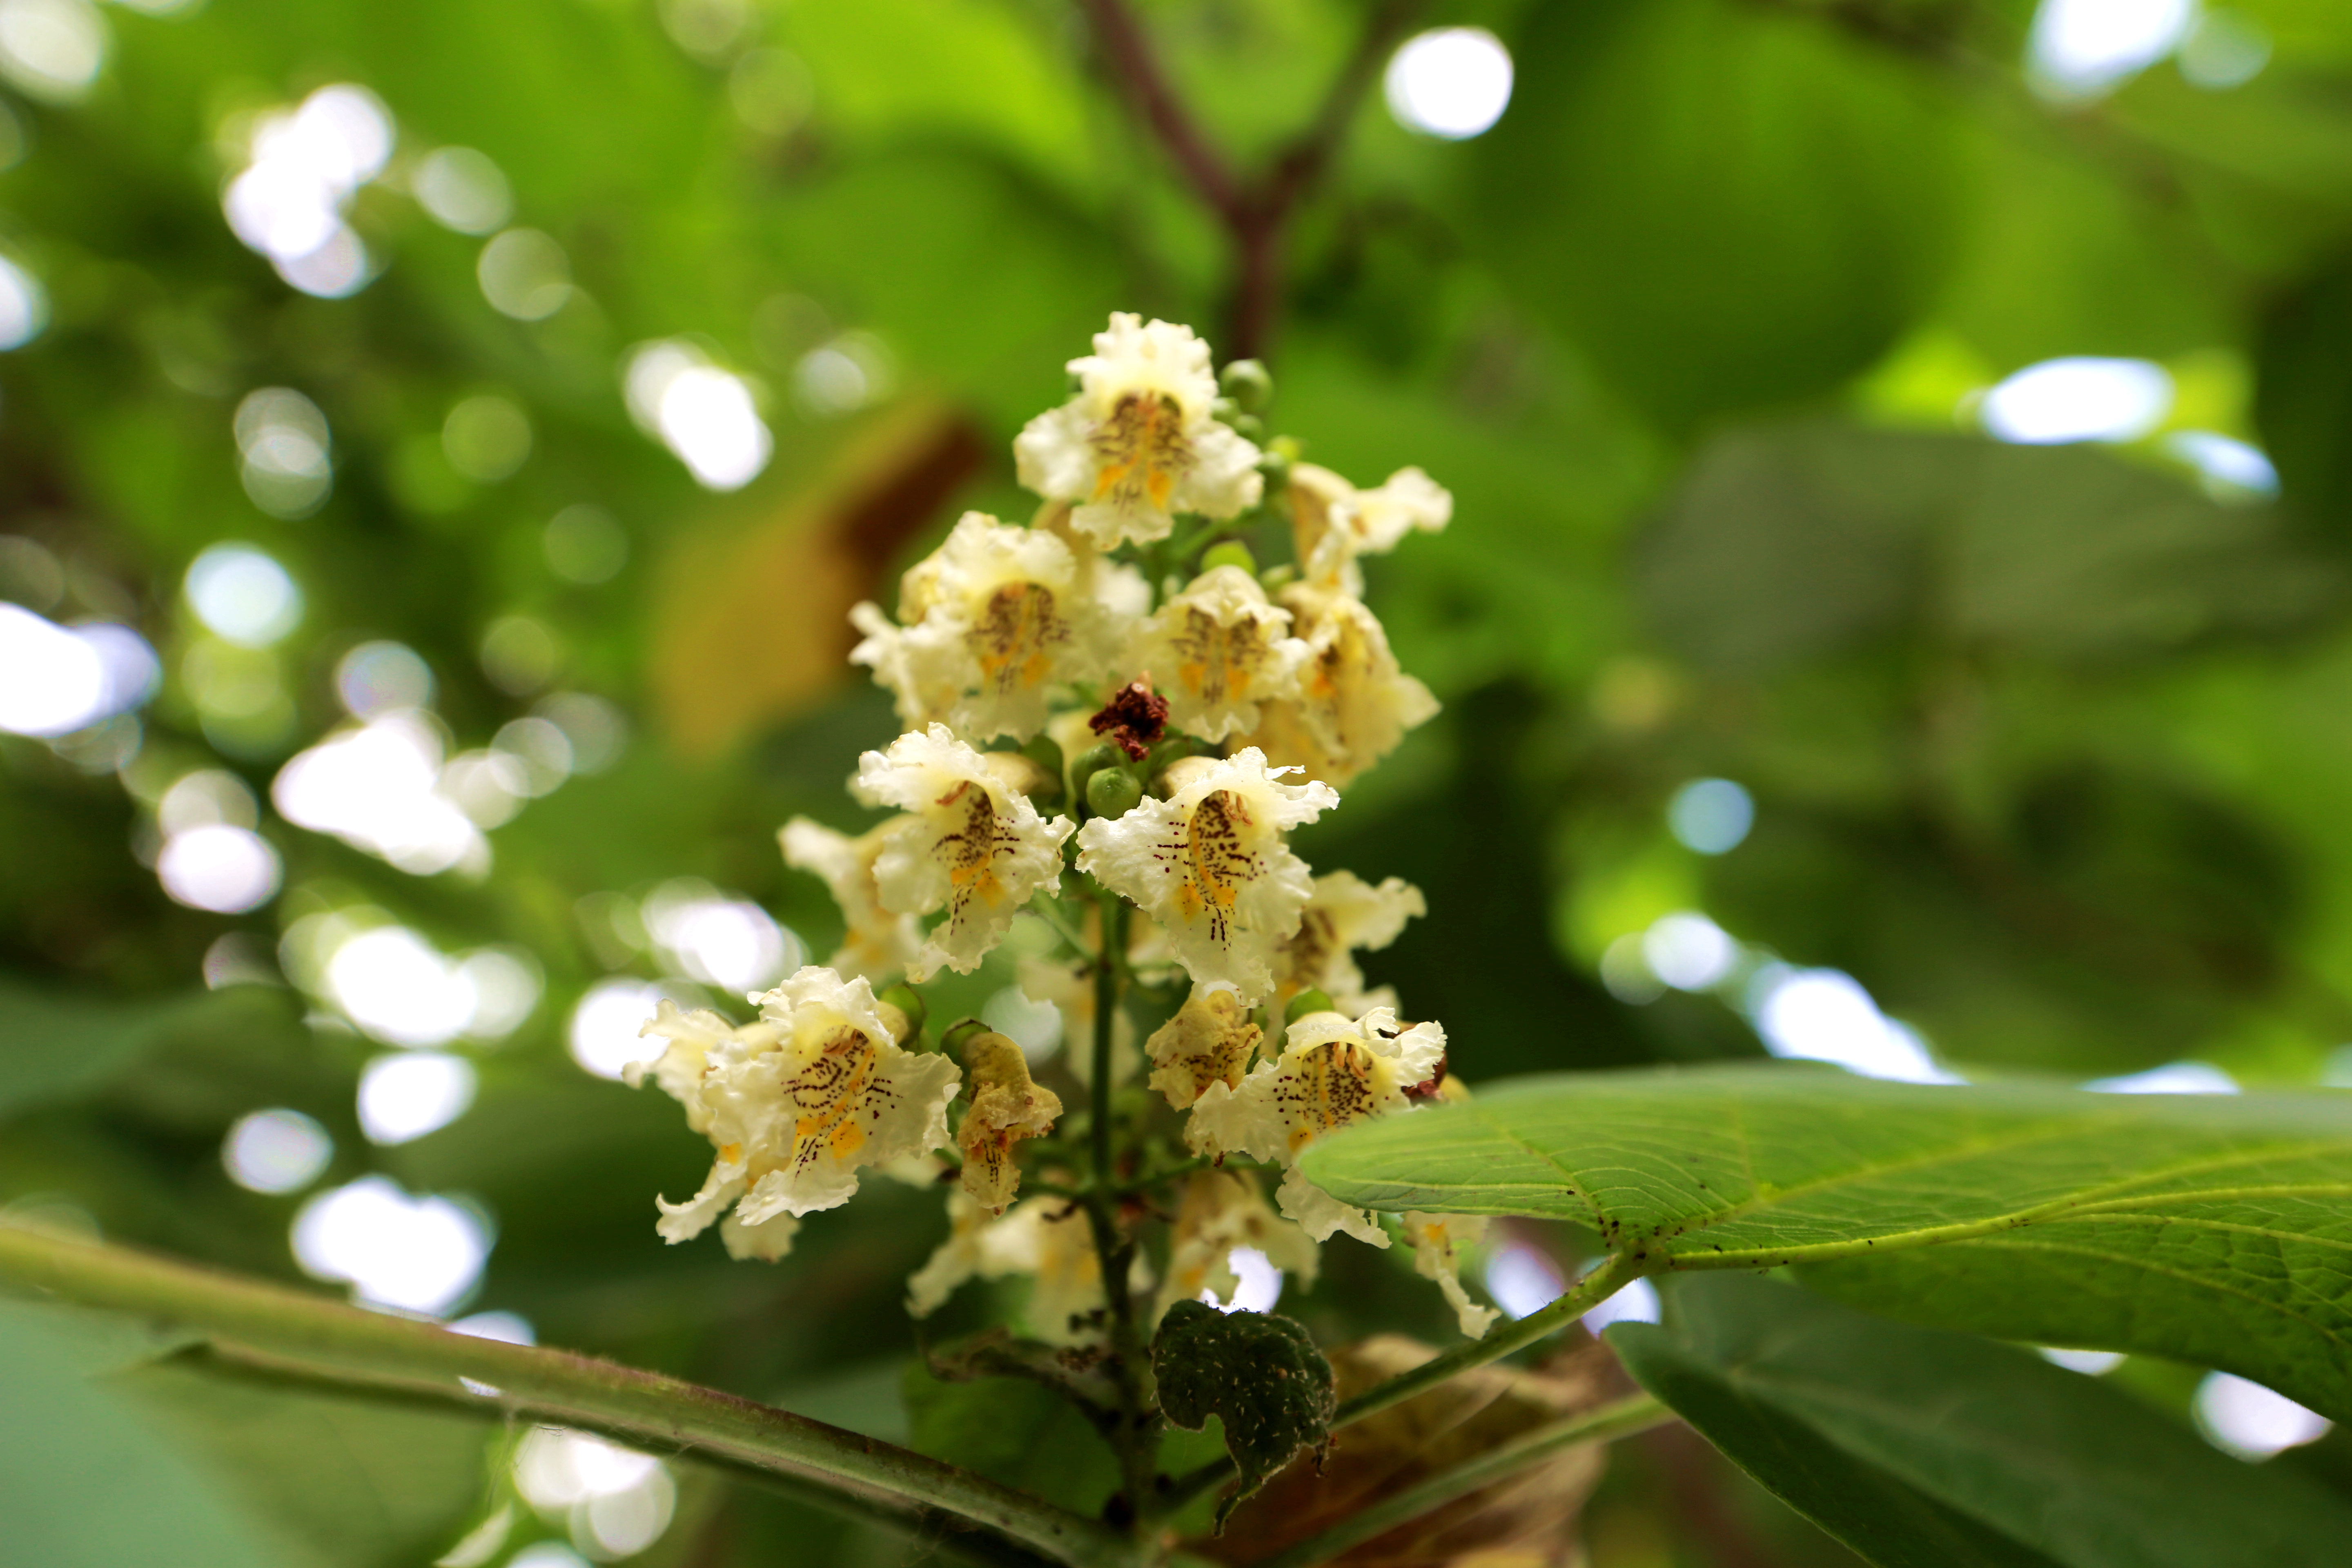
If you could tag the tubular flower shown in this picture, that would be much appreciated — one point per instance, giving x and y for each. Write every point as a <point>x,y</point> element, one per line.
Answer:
<point>1346,913</point>
<point>990,624</point>
<point>1210,1040</point>
<point>1222,1210</point>
<point>795,1102</point>
<point>969,842</point>
<point>876,943</point>
<point>1007,1108</point>
<point>1047,1237</point>
<point>1438,1243</point>
<point>1332,522</point>
<point>1217,650</point>
<point>1332,1073</point>
<point>1209,863</point>
<point>1138,444</point>
<point>1354,704</point>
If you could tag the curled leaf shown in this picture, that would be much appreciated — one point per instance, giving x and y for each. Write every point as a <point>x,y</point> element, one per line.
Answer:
<point>1260,1373</point>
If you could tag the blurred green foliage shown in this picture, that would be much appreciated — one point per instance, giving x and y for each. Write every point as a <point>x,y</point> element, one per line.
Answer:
<point>2047,746</point>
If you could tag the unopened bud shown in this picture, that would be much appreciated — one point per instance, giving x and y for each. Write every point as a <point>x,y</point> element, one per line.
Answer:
<point>1225,410</point>
<point>1017,772</point>
<point>1113,792</point>
<point>1091,761</point>
<point>1308,1002</point>
<point>1183,771</point>
<point>1246,380</point>
<point>1046,754</point>
<point>909,1004</point>
<point>1231,553</point>
<point>960,1033</point>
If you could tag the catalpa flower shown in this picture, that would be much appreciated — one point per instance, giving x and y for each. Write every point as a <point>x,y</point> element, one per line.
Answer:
<point>1069,988</point>
<point>1217,650</point>
<point>990,624</point>
<point>1044,1237</point>
<point>795,1102</point>
<point>1138,444</point>
<point>1222,1210</point>
<point>1210,1040</point>
<point>1332,1073</point>
<point>1209,863</point>
<point>1006,1107</point>
<point>969,842</point>
<point>1354,703</point>
<point>876,943</point>
<point>1346,914</point>
<point>1332,522</point>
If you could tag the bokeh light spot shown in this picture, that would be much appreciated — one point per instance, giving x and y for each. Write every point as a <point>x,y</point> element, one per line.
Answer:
<point>2078,399</point>
<point>1711,816</point>
<point>404,1097</point>
<point>1450,82</point>
<point>275,1150</point>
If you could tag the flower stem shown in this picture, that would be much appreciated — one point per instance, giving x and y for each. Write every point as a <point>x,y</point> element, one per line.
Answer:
<point>268,1324</point>
<point>1620,1418</point>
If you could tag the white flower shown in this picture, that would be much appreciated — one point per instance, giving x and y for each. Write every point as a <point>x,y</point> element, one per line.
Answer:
<point>1354,703</point>
<point>990,623</point>
<point>1332,522</point>
<point>1138,444</point>
<point>876,943</point>
<point>970,842</point>
<point>1346,913</point>
<point>1070,989</point>
<point>1209,863</point>
<point>1438,1243</point>
<point>1007,1108</point>
<point>1047,1237</point>
<point>1210,1040</point>
<point>1217,650</point>
<point>795,1102</point>
<point>1221,1210</point>
<point>765,1242</point>
<point>1332,1073</point>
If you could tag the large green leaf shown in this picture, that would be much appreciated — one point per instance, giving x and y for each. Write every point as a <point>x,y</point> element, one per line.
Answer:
<point>55,1044</point>
<point>1918,1447</point>
<point>2213,1230</point>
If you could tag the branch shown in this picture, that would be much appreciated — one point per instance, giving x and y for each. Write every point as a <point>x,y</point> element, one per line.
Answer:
<point>291,1331</point>
<point>1637,1414</point>
<point>1614,1275</point>
<point>1154,99</point>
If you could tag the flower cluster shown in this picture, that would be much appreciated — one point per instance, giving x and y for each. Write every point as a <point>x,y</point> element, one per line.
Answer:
<point>1114,722</point>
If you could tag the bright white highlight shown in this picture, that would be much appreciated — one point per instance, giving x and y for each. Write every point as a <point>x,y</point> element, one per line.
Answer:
<point>393,986</point>
<point>226,869</point>
<point>2173,1077</point>
<point>52,49</point>
<point>702,414</point>
<point>1034,1027</point>
<point>506,1328</point>
<point>1636,1303</point>
<point>616,1500</point>
<point>722,941</point>
<point>243,596</point>
<point>24,306</point>
<point>462,190</point>
<point>51,681</point>
<point>419,1255</point>
<point>2230,469</point>
<point>1688,951</point>
<point>507,987</point>
<point>1824,1015</point>
<point>382,677</point>
<point>1523,1281</point>
<point>289,202</point>
<point>288,456</point>
<point>2079,48</point>
<point>2080,399</point>
<point>2253,1423</point>
<point>1257,1283</point>
<point>1452,82</point>
<point>276,1152</point>
<point>379,788</point>
<point>1711,816</point>
<point>2090,1363</point>
<point>404,1096</point>
<point>604,1025</point>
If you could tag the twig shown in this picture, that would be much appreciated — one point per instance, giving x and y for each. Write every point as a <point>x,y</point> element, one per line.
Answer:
<point>332,1341</point>
<point>1638,1413</point>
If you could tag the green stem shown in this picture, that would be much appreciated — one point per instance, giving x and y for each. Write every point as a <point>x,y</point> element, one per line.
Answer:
<point>1622,1418</point>
<point>268,1324</point>
<point>1617,1271</point>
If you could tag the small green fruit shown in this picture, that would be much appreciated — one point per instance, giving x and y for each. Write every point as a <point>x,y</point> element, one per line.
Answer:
<point>1231,553</point>
<point>1308,1002</point>
<point>1246,380</point>
<point>1113,792</point>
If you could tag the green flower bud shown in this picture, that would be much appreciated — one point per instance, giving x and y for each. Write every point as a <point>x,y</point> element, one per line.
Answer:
<point>1248,426</point>
<point>962,1033</point>
<point>1275,467</point>
<point>910,1001</point>
<point>1225,410</point>
<point>1274,579</point>
<point>1246,381</point>
<point>1113,792</point>
<point>1231,553</point>
<point>1308,1002</point>
<point>1047,754</point>
<point>1091,761</point>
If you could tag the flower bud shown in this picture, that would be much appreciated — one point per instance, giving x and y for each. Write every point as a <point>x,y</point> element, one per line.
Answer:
<point>960,1032</point>
<point>1248,426</point>
<point>1091,761</point>
<point>1308,1002</point>
<point>1231,553</point>
<point>1005,1108</point>
<point>1043,750</point>
<point>1246,380</point>
<point>1113,792</point>
<point>907,1002</point>
<point>1225,410</point>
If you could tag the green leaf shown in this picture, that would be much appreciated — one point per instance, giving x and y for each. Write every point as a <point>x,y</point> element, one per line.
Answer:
<point>1919,1447</point>
<point>1012,1431</point>
<point>56,1044</point>
<point>2208,1229</point>
<point>83,1481</point>
<point>1724,206</point>
<point>1258,1373</point>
